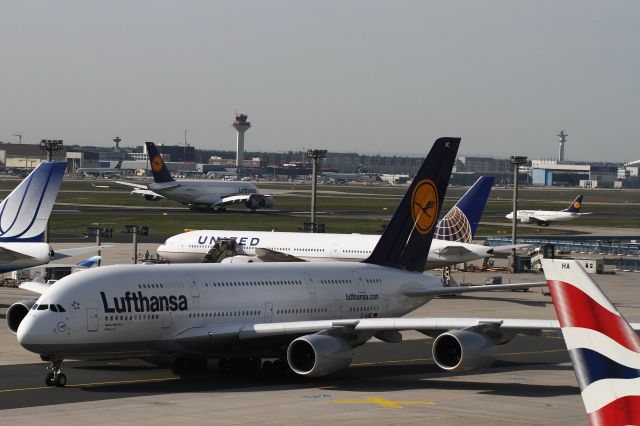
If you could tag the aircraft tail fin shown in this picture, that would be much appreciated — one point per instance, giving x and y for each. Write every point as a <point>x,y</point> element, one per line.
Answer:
<point>158,168</point>
<point>575,205</point>
<point>24,213</point>
<point>603,347</point>
<point>461,222</point>
<point>89,262</point>
<point>406,240</point>
<point>119,165</point>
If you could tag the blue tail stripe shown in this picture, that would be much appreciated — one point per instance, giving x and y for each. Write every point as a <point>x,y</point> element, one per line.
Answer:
<point>42,194</point>
<point>474,200</point>
<point>591,366</point>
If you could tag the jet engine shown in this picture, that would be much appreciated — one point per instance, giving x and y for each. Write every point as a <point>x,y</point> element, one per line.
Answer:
<point>17,312</point>
<point>257,203</point>
<point>318,355</point>
<point>266,202</point>
<point>150,197</point>
<point>463,350</point>
<point>252,204</point>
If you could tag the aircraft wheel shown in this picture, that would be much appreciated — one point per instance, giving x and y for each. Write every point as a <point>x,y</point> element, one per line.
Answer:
<point>50,379</point>
<point>61,380</point>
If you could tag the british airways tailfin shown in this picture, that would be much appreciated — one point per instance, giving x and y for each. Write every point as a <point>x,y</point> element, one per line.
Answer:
<point>25,211</point>
<point>603,347</point>
<point>158,168</point>
<point>574,207</point>
<point>460,223</point>
<point>406,241</point>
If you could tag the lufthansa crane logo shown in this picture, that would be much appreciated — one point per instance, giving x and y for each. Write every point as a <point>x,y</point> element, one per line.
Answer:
<point>157,163</point>
<point>424,206</point>
<point>576,204</point>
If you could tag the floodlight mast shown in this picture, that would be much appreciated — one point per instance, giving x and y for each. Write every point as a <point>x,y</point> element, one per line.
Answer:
<point>517,161</point>
<point>314,155</point>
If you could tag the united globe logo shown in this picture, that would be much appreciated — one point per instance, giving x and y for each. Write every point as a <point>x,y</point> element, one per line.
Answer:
<point>454,227</point>
<point>425,206</point>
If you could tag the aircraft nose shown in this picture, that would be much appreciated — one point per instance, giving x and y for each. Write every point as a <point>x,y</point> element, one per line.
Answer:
<point>29,333</point>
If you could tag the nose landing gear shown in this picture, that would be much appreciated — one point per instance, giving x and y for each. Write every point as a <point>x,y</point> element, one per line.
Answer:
<point>55,376</point>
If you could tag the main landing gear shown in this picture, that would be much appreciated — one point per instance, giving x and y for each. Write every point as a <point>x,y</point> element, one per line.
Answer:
<point>55,376</point>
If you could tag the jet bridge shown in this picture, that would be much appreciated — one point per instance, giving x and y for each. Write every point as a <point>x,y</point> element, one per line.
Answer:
<point>223,248</point>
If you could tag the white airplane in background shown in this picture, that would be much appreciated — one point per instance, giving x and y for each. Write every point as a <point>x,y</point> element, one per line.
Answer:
<point>308,315</point>
<point>602,345</point>
<point>451,243</point>
<point>99,171</point>
<point>24,214</point>
<point>198,194</point>
<point>544,217</point>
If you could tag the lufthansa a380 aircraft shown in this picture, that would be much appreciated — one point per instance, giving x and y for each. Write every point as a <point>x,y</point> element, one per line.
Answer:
<point>310,315</point>
<point>197,193</point>
<point>451,243</point>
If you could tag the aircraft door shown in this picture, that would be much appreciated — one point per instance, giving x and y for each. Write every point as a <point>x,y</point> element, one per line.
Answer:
<point>311,286</point>
<point>334,251</point>
<point>359,281</point>
<point>268,312</point>
<point>166,319</point>
<point>193,286</point>
<point>92,319</point>
<point>339,309</point>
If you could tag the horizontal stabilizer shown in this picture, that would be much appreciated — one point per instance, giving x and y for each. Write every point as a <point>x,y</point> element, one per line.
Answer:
<point>438,291</point>
<point>61,254</point>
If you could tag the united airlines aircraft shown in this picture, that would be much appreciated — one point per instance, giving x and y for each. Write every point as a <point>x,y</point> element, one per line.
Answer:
<point>24,214</point>
<point>307,315</point>
<point>197,193</point>
<point>603,347</point>
<point>544,217</point>
<point>451,243</point>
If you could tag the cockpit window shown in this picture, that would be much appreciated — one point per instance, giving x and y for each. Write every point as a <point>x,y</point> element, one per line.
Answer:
<point>61,309</point>
<point>53,307</point>
<point>43,307</point>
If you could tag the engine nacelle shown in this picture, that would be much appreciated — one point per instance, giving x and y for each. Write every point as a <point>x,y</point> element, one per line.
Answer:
<point>318,355</point>
<point>17,312</point>
<point>252,204</point>
<point>524,219</point>
<point>241,259</point>
<point>266,202</point>
<point>463,350</point>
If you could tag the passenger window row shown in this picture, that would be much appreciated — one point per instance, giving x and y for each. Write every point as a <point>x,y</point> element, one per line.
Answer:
<point>219,314</point>
<point>252,283</point>
<point>302,311</point>
<point>136,317</point>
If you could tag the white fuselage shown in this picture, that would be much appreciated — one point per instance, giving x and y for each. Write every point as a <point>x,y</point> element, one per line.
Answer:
<point>192,246</point>
<point>128,309</point>
<point>202,191</point>
<point>14,256</point>
<point>529,216</point>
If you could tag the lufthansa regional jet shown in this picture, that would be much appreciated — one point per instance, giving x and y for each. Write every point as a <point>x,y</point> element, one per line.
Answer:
<point>308,316</point>
<point>451,243</point>
<point>544,217</point>
<point>198,194</point>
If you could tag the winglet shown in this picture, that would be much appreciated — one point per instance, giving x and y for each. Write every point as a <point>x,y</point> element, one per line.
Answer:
<point>603,347</point>
<point>24,213</point>
<point>158,168</point>
<point>461,222</point>
<point>406,240</point>
<point>575,205</point>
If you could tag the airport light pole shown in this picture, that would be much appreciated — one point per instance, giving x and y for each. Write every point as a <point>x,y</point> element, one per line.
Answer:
<point>314,155</point>
<point>516,161</point>
<point>135,230</point>
<point>49,145</point>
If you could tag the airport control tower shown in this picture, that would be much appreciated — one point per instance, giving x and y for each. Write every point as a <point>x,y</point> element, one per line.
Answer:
<point>241,125</point>
<point>562,138</point>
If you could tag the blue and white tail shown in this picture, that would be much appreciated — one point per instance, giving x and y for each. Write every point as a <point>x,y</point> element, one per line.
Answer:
<point>25,211</point>
<point>89,262</point>
<point>603,347</point>
<point>406,241</point>
<point>574,207</point>
<point>118,166</point>
<point>460,223</point>
<point>160,171</point>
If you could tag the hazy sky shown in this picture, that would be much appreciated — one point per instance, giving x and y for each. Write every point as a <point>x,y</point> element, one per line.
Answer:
<point>364,76</point>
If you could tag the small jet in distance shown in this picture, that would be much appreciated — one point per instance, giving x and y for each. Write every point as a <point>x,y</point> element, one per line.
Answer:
<point>544,217</point>
<point>99,171</point>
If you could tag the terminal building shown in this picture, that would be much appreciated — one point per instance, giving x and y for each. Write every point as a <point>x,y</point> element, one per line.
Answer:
<point>554,173</point>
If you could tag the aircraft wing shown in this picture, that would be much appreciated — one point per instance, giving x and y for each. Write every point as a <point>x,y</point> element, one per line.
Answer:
<point>539,220</point>
<point>509,247</point>
<point>258,200</point>
<point>452,250</point>
<point>233,199</point>
<point>8,256</point>
<point>34,286</point>
<point>61,254</point>
<point>147,193</point>
<point>268,255</point>
<point>134,185</point>
<point>205,335</point>
<point>439,291</point>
